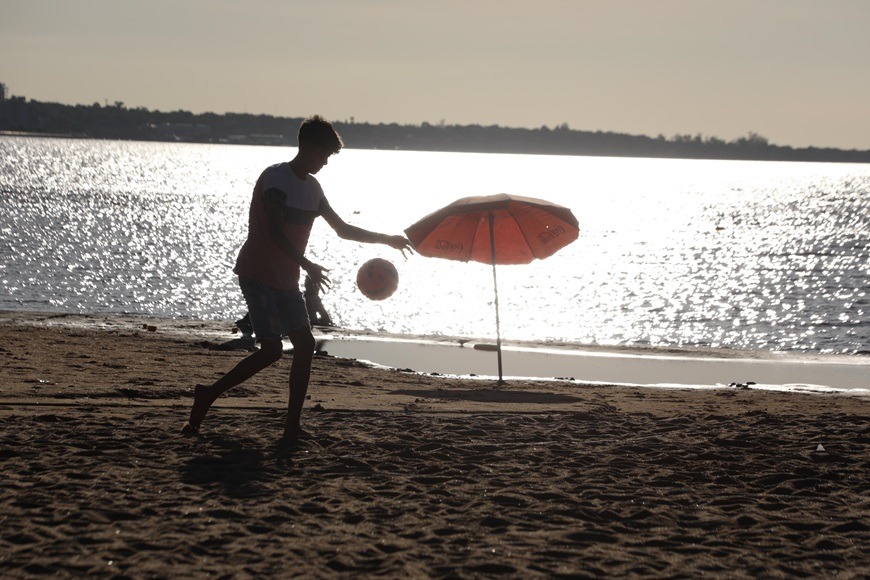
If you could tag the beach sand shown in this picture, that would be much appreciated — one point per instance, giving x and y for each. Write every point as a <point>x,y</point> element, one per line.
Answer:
<point>407,474</point>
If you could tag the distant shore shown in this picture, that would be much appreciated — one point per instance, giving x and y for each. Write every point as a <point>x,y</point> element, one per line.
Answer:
<point>28,117</point>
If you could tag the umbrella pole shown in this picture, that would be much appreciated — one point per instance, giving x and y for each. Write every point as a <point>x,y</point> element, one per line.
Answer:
<point>495,286</point>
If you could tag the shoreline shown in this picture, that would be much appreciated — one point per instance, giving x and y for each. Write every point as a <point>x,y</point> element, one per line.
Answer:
<point>192,326</point>
<point>527,360</point>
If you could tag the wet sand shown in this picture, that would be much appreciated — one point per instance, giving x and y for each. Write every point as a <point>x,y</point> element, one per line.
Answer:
<point>407,474</point>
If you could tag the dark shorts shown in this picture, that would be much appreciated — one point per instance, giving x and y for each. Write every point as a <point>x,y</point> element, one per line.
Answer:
<point>274,313</point>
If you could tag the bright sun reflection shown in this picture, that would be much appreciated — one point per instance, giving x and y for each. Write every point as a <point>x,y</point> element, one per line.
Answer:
<point>671,252</point>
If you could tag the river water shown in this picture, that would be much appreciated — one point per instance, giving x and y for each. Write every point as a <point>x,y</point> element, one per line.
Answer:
<point>682,253</point>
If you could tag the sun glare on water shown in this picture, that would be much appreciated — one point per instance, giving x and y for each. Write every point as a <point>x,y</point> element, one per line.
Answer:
<point>671,252</point>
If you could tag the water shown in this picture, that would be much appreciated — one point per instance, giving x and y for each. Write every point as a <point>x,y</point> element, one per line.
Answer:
<point>756,255</point>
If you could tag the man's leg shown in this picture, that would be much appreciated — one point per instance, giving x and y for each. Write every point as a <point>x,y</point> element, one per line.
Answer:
<point>300,373</point>
<point>269,352</point>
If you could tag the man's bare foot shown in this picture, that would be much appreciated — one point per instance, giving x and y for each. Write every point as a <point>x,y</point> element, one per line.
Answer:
<point>286,444</point>
<point>201,404</point>
<point>290,439</point>
<point>189,429</point>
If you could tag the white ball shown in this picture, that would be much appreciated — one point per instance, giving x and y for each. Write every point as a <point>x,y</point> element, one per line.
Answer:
<point>377,279</point>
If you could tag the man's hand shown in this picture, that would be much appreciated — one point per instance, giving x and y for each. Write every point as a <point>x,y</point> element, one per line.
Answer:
<point>317,273</point>
<point>400,243</point>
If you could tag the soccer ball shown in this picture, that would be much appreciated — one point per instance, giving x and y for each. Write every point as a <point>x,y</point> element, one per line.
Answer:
<point>377,279</point>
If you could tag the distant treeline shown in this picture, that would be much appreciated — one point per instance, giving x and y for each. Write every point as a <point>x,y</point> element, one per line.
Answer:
<point>115,121</point>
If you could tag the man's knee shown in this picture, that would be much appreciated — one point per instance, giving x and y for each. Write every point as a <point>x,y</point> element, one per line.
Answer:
<point>303,342</point>
<point>272,349</point>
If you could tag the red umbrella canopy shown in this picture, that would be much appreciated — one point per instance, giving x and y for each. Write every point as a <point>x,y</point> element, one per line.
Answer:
<point>525,228</point>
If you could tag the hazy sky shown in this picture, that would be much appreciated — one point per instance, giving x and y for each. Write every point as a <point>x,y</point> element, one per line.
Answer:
<point>795,71</point>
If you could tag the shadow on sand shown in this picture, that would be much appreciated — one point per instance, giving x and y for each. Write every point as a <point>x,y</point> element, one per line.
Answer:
<point>490,396</point>
<point>241,343</point>
<point>240,470</point>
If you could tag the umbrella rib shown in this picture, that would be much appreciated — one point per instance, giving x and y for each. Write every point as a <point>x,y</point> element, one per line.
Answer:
<point>525,238</point>
<point>474,239</point>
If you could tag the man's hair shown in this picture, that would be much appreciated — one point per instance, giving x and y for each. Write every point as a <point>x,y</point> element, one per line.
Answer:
<point>318,131</point>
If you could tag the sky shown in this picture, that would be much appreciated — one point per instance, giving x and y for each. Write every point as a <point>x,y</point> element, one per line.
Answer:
<point>794,71</point>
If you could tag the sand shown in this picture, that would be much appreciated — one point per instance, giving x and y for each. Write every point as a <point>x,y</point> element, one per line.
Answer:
<point>407,475</point>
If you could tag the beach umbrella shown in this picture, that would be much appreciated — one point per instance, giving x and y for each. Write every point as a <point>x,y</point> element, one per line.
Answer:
<point>495,229</point>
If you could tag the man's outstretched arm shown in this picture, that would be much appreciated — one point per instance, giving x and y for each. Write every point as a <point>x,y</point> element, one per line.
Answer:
<point>357,234</point>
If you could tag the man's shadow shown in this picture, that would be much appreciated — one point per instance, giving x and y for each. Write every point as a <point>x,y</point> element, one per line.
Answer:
<point>238,473</point>
<point>240,467</point>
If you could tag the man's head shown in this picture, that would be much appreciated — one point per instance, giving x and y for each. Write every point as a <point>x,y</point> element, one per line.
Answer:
<point>317,141</point>
<point>318,131</point>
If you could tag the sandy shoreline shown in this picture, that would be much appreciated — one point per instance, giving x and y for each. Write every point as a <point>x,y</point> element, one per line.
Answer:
<point>408,474</point>
<point>587,364</point>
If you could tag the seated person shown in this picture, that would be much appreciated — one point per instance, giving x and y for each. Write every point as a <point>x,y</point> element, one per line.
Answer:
<point>317,314</point>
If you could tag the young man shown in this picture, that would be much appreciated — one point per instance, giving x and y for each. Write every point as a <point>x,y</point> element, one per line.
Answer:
<point>287,198</point>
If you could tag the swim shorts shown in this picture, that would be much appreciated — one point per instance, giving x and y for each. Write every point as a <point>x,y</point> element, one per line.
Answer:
<point>274,313</point>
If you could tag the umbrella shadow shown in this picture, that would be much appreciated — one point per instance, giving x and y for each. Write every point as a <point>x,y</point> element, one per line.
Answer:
<point>491,396</point>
